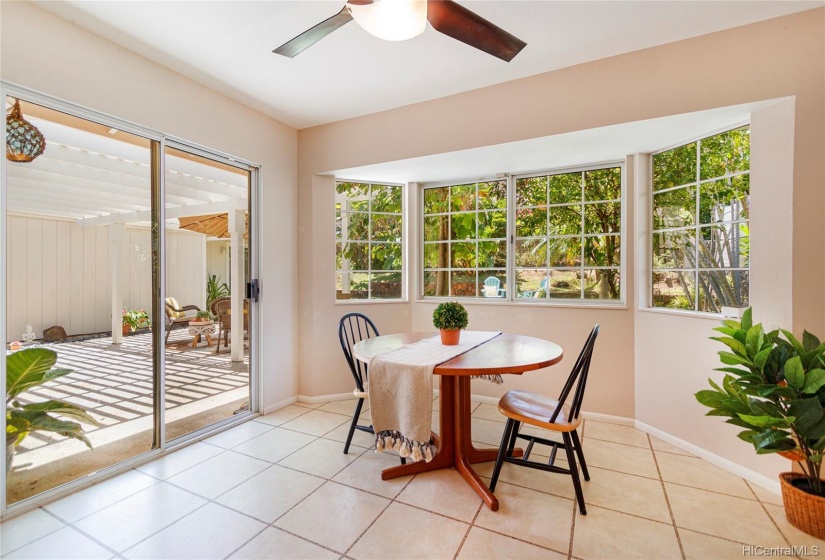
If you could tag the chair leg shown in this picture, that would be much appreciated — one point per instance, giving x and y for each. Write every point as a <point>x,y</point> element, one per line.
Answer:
<point>352,424</point>
<point>580,454</point>
<point>168,332</point>
<point>511,445</point>
<point>574,471</point>
<point>502,449</point>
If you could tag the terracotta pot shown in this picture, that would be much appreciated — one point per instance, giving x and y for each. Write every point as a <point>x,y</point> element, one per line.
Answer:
<point>126,330</point>
<point>450,337</point>
<point>804,511</point>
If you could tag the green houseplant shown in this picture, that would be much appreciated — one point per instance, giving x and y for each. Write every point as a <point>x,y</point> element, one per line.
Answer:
<point>27,369</point>
<point>133,320</point>
<point>215,289</point>
<point>203,317</point>
<point>774,388</point>
<point>450,317</point>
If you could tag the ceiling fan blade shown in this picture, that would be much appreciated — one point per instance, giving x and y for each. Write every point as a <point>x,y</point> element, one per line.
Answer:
<point>458,22</point>
<point>314,34</point>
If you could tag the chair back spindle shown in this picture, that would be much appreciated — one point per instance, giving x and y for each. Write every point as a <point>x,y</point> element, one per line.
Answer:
<point>580,371</point>
<point>353,328</point>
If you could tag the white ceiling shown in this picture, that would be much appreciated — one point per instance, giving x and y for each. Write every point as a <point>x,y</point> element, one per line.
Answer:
<point>227,46</point>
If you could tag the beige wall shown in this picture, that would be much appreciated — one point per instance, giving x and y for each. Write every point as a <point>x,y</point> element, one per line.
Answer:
<point>768,60</point>
<point>45,53</point>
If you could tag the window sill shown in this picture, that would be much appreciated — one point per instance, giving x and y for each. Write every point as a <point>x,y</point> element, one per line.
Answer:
<point>716,317</point>
<point>368,301</point>
<point>617,306</point>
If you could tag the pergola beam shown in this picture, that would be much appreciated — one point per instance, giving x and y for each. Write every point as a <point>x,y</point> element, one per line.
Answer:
<point>222,207</point>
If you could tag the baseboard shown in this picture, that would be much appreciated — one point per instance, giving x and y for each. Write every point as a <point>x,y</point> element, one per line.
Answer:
<point>325,398</point>
<point>609,418</point>
<point>279,405</point>
<point>765,482</point>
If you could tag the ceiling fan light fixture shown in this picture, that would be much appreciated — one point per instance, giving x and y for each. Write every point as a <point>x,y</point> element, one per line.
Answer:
<point>391,20</point>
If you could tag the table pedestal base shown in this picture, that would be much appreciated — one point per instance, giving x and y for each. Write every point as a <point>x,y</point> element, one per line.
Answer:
<point>454,444</point>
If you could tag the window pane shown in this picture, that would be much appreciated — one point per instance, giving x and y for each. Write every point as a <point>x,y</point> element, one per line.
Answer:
<point>463,255</point>
<point>492,283</point>
<point>564,188</point>
<point>531,252</point>
<point>436,255</point>
<point>338,222</point>
<point>436,200</point>
<point>724,246</point>
<point>725,200</point>
<point>492,195</point>
<point>531,191</point>
<point>531,283</point>
<point>386,198</point>
<point>674,290</point>
<point>601,284</point>
<point>353,190</point>
<point>603,217</point>
<point>356,253</point>
<point>385,285</point>
<point>356,225</point>
<point>674,249</point>
<point>492,225</point>
<point>386,256</point>
<point>675,167</point>
<point>463,226</point>
<point>351,285</point>
<point>463,197</point>
<point>436,283</point>
<point>531,222</point>
<point>718,288</point>
<point>725,153</point>
<point>676,208</point>
<point>565,251</point>
<point>492,253</point>
<point>564,284</point>
<point>603,184</point>
<point>436,228</point>
<point>565,220</point>
<point>463,283</point>
<point>386,228</point>
<point>602,251</point>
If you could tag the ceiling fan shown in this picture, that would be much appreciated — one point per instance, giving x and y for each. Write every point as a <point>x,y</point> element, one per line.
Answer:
<point>398,20</point>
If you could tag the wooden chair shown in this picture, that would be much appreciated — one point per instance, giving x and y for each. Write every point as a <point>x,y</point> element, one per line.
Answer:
<point>176,314</point>
<point>522,407</point>
<point>353,328</point>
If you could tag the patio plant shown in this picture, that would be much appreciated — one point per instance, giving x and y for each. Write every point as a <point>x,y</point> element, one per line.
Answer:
<point>215,289</point>
<point>204,317</point>
<point>450,317</point>
<point>27,369</point>
<point>774,388</point>
<point>135,319</point>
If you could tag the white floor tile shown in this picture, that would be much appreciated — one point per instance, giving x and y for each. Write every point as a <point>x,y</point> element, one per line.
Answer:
<point>180,460</point>
<point>92,499</point>
<point>282,415</point>
<point>275,445</point>
<point>322,457</point>
<point>239,434</point>
<point>65,544</point>
<point>274,544</point>
<point>317,422</point>
<point>210,532</point>
<point>131,520</point>
<point>215,476</point>
<point>26,528</point>
<point>271,493</point>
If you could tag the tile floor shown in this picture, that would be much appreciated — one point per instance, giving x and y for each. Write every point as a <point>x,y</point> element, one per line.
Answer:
<point>280,487</point>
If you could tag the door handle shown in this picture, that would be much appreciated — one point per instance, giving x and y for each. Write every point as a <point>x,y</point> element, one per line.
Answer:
<point>252,290</point>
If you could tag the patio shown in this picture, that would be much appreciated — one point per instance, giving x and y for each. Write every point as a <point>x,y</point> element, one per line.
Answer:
<point>114,382</point>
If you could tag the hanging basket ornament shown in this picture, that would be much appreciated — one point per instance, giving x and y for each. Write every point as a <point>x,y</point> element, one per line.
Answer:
<point>23,141</point>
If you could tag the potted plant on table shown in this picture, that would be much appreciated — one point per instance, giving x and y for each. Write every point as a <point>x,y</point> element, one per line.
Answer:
<point>450,317</point>
<point>133,320</point>
<point>202,318</point>
<point>27,369</point>
<point>774,388</point>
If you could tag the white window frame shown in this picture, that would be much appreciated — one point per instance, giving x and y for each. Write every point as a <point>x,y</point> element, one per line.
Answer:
<point>648,269</point>
<point>404,219</point>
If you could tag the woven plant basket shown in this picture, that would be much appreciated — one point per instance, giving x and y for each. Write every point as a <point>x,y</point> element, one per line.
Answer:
<point>804,511</point>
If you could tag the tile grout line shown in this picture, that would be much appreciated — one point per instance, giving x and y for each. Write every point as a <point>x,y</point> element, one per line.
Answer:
<point>773,521</point>
<point>470,528</point>
<point>667,500</point>
<point>572,531</point>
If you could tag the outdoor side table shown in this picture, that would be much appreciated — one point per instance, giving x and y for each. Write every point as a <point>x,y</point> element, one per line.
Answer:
<point>197,331</point>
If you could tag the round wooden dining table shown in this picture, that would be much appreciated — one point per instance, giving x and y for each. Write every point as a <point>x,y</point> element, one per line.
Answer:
<point>504,354</point>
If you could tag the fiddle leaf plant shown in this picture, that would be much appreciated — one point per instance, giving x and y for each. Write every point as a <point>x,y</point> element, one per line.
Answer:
<point>25,370</point>
<point>774,388</point>
<point>450,315</point>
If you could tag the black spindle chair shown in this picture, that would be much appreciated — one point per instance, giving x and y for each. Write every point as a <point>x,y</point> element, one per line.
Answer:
<point>353,328</point>
<point>522,407</point>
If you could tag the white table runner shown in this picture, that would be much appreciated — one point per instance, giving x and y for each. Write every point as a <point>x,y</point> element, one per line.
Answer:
<point>401,392</point>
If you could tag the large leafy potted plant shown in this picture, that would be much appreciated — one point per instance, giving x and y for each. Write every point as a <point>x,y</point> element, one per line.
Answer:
<point>27,369</point>
<point>450,317</point>
<point>774,388</point>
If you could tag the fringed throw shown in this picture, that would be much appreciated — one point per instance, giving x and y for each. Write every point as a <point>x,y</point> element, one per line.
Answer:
<point>401,393</point>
